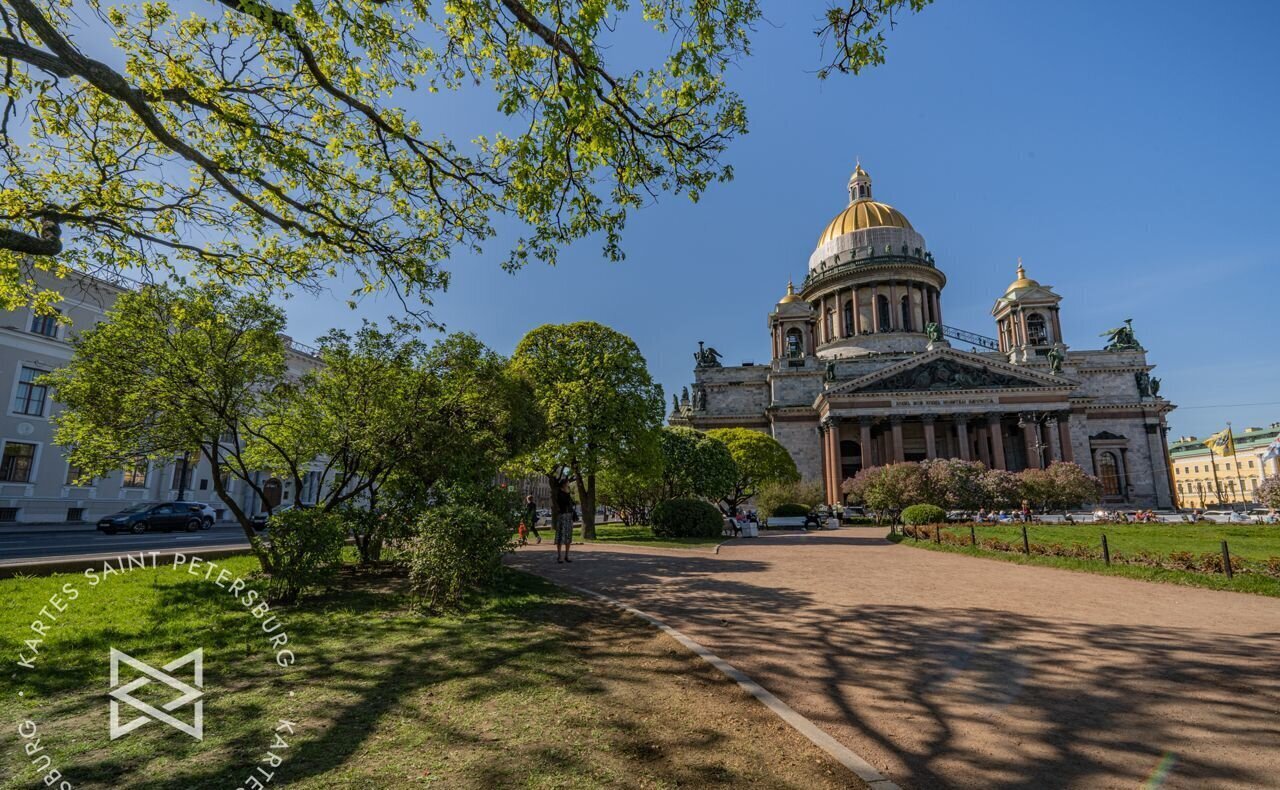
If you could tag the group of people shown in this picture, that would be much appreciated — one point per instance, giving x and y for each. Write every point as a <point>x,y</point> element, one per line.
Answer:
<point>568,513</point>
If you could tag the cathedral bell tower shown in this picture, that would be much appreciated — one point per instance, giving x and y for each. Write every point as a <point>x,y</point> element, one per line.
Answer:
<point>792,325</point>
<point>1027,320</point>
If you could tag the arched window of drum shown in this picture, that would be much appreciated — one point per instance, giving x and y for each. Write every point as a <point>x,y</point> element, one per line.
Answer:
<point>795,343</point>
<point>1109,472</point>
<point>1037,334</point>
<point>848,319</point>
<point>882,307</point>
<point>905,303</point>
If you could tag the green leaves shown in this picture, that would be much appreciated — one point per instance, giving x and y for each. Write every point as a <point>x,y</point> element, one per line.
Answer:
<point>759,459</point>
<point>593,387</point>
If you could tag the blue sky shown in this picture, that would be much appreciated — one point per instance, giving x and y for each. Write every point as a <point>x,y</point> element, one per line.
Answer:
<point>1126,151</point>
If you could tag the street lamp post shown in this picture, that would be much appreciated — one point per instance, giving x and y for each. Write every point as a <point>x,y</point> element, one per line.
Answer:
<point>1039,419</point>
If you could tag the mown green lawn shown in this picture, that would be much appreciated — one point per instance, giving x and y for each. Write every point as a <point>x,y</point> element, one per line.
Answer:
<point>1245,540</point>
<point>640,536</point>
<point>532,688</point>
<point>1255,543</point>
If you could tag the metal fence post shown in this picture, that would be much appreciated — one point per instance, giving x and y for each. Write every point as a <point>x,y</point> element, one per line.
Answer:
<point>1106,552</point>
<point>1226,559</point>
<point>973,539</point>
<point>1026,546</point>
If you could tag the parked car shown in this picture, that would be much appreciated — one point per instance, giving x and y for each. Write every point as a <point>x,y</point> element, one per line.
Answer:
<point>259,521</point>
<point>207,514</point>
<point>154,516</point>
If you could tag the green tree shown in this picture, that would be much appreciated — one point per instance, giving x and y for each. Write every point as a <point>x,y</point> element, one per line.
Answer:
<point>172,372</point>
<point>695,465</point>
<point>770,496</point>
<point>480,413</point>
<point>598,401</point>
<point>759,459</point>
<point>263,143</point>
<point>350,418</point>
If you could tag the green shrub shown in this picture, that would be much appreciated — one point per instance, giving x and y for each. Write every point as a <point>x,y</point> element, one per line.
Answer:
<point>455,549</point>
<point>374,529</point>
<point>686,518</point>
<point>304,547</point>
<point>790,510</point>
<point>924,514</point>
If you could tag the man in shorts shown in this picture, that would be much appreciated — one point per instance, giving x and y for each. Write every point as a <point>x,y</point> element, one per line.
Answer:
<point>564,522</point>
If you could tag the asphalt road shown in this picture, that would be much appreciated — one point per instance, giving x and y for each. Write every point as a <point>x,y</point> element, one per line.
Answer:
<point>58,542</point>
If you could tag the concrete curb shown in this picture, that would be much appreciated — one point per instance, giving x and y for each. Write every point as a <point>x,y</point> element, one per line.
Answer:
<point>46,567</point>
<point>842,754</point>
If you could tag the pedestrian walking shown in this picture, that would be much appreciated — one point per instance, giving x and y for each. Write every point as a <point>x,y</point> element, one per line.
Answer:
<point>564,526</point>
<point>531,517</point>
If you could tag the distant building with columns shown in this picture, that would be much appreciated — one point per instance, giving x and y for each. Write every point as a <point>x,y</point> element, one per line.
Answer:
<point>862,374</point>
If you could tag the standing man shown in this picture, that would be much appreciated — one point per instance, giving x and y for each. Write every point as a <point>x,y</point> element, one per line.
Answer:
<point>531,516</point>
<point>564,527</point>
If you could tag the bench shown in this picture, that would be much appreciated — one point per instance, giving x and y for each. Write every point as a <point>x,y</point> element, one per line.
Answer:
<point>786,521</point>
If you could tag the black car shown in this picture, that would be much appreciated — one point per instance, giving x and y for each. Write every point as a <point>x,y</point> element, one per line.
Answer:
<point>153,515</point>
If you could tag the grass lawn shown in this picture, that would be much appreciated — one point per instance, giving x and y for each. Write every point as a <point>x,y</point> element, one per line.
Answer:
<point>639,536</point>
<point>1245,541</point>
<point>534,688</point>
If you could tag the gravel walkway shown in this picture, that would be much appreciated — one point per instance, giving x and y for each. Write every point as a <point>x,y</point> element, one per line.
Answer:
<point>951,671</point>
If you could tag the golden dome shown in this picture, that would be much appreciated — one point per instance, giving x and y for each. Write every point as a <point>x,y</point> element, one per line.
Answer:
<point>863,214</point>
<point>1023,280</point>
<point>791,295</point>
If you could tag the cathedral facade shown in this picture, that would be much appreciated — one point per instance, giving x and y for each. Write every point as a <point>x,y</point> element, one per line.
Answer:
<point>862,373</point>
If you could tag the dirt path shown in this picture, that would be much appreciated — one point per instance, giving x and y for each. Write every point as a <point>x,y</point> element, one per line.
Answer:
<point>952,671</point>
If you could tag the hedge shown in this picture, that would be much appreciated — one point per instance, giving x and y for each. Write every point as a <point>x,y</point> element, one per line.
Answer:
<point>924,514</point>
<point>790,510</point>
<point>686,518</point>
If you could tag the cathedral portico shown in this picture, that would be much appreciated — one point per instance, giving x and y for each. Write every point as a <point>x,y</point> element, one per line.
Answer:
<point>861,374</point>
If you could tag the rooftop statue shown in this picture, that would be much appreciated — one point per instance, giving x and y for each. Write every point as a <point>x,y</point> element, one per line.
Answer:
<point>1122,338</point>
<point>706,357</point>
<point>1055,357</point>
<point>934,331</point>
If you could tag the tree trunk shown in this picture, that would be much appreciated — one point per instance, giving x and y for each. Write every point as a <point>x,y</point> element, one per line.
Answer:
<point>587,501</point>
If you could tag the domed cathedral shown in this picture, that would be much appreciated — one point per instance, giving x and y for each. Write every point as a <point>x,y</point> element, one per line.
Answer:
<point>863,373</point>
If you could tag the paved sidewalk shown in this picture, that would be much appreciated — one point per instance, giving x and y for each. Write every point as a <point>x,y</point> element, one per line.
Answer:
<point>951,671</point>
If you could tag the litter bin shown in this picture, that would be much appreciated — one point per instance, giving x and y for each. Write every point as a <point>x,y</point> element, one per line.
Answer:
<point>833,523</point>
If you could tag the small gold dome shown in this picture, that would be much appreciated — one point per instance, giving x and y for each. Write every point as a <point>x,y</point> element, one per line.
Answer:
<point>1023,280</point>
<point>863,214</point>
<point>791,295</point>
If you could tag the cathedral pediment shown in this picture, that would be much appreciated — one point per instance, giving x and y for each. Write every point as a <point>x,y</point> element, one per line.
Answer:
<point>946,370</point>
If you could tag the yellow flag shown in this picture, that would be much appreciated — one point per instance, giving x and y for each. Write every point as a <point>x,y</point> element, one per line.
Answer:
<point>1221,443</point>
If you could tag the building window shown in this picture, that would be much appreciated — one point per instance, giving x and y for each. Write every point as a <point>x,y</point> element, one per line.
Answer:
<point>136,476</point>
<point>906,313</point>
<point>30,396</point>
<point>75,514</point>
<point>15,466</point>
<point>831,324</point>
<point>882,309</point>
<point>795,343</point>
<point>74,473</point>
<point>8,515</point>
<point>181,474</point>
<point>1037,334</point>
<point>848,319</point>
<point>46,325</point>
<point>1109,472</point>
